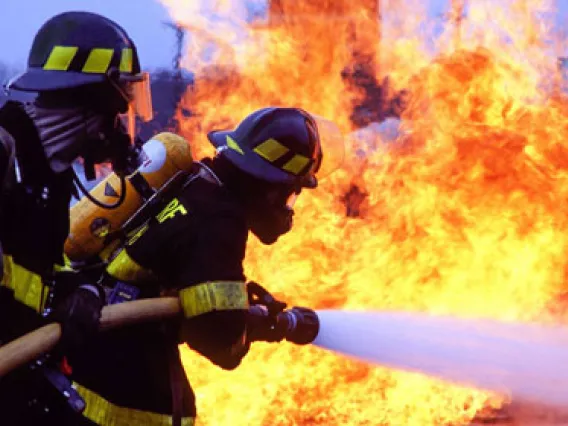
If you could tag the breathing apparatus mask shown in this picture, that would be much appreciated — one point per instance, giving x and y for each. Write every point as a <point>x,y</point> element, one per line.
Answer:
<point>271,211</point>
<point>120,101</point>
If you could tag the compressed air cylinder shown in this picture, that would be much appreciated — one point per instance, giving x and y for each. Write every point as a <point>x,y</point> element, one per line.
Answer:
<point>166,154</point>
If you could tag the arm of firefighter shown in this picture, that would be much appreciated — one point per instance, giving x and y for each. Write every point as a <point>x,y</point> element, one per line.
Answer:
<point>215,301</point>
<point>200,256</point>
<point>7,158</point>
<point>219,336</point>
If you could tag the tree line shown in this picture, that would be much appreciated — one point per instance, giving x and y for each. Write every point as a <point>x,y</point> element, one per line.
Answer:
<point>169,85</point>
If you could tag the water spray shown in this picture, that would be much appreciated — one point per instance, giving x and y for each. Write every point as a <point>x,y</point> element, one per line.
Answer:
<point>526,361</point>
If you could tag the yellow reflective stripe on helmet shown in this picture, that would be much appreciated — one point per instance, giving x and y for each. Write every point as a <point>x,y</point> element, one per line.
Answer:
<point>124,268</point>
<point>271,150</point>
<point>296,164</point>
<point>27,285</point>
<point>213,296</point>
<point>98,61</point>
<point>60,58</point>
<point>103,412</point>
<point>126,60</point>
<point>231,143</point>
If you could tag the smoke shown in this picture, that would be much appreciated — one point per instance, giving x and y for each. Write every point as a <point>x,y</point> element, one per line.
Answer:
<point>526,361</point>
<point>216,31</point>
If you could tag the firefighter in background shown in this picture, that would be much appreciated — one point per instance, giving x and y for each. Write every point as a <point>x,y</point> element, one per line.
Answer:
<point>85,71</point>
<point>194,247</point>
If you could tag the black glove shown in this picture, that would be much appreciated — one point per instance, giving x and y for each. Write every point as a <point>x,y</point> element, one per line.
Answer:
<point>268,321</point>
<point>263,327</point>
<point>79,315</point>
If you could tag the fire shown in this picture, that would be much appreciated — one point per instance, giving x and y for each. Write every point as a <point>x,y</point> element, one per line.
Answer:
<point>464,214</point>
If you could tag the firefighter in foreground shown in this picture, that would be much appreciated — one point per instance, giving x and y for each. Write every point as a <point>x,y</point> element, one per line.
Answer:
<point>194,247</point>
<point>85,71</point>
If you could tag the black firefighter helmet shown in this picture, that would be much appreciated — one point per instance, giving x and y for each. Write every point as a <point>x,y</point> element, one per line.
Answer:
<point>83,52</point>
<point>73,49</point>
<point>277,145</point>
<point>76,49</point>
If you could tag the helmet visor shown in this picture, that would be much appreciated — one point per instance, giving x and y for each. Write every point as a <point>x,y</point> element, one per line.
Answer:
<point>332,148</point>
<point>137,92</point>
<point>140,97</point>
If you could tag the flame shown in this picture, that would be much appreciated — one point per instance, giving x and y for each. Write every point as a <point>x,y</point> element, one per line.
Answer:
<point>463,214</point>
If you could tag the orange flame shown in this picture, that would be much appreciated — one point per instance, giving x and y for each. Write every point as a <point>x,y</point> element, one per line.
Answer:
<point>464,214</point>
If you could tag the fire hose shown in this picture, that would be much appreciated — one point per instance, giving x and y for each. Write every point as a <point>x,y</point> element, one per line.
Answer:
<point>32,345</point>
<point>297,325</point>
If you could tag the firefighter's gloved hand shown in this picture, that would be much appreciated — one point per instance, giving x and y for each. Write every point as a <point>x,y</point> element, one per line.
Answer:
<point>263,328</point>
<point>79,315</point>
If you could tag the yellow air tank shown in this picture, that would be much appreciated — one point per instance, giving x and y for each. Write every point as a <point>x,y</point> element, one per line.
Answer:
<point>166,154</point>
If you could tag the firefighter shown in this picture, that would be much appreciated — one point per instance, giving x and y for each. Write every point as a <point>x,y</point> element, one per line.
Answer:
<point>84,71</point>
<point>193,246</point>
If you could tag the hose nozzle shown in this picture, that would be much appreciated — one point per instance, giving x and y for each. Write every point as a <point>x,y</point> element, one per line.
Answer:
<point>270,321</point>
<point>302,325</point>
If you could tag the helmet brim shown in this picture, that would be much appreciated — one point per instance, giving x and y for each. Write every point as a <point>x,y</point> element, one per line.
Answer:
<point>249,162</point>
<point>39,80</point>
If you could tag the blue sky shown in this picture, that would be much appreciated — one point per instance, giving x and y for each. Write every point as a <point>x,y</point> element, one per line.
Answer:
<point>143,19</point>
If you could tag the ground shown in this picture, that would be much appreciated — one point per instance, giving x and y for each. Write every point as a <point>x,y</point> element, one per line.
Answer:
<point>524,414</point>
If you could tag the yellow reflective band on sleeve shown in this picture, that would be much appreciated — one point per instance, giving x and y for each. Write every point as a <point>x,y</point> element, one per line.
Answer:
<point>296,164</point>
<point>231,143</point>
<point>105,413</point>
<point>126,60</point>
<point>213,296</point>
<point>98,61</point>
<point>271,150</point>
<point>27,285</point>
<point>60,58</point>
<point>124,268</point>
